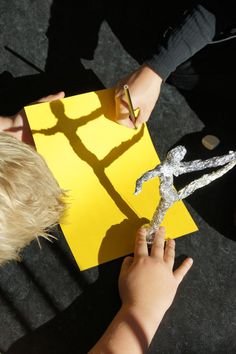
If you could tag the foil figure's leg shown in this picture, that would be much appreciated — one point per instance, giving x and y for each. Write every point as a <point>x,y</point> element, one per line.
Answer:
<point>157,220</point>
<point>204,180</point>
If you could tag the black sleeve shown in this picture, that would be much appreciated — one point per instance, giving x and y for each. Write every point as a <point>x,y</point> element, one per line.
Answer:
<point>197,29</point>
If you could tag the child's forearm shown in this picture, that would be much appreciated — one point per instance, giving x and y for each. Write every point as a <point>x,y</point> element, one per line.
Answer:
<point>130,332</point>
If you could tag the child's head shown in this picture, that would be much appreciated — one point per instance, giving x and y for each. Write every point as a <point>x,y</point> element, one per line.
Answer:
<point>31,200</point>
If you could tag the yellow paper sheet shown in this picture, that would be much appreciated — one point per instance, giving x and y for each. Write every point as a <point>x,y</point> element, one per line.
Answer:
<point>99,161</point>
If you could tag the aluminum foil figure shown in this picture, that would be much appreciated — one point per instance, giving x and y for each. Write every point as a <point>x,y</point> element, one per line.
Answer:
<point>173,166</point>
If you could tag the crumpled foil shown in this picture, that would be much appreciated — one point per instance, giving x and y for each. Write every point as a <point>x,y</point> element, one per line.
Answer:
<point>173,166</point>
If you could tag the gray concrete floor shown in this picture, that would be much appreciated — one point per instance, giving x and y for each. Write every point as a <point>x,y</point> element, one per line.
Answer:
<point>45,302</point>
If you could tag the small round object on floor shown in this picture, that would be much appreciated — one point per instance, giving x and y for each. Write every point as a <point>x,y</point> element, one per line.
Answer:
<point>210,142</point>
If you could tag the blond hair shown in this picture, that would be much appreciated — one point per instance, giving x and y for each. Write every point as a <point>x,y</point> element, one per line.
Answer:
<point>31,201</point>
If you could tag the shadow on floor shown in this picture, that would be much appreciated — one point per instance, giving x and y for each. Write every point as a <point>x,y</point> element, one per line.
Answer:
<point>79,327</point>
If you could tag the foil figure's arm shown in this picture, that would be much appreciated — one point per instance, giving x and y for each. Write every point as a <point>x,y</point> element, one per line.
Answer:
<point>145,177</point>
<point>198,165</point>
<point>204,180</point>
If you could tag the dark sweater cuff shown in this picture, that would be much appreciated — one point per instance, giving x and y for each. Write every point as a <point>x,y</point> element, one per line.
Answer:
<point>195,32</point>
<point>162,63</point>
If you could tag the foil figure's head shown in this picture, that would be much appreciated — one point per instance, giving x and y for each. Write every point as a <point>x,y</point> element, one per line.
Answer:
<point>177,154</point>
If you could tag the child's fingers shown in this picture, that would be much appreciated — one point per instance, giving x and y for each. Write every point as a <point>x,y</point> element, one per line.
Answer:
<point>122,107</point>
<point>122,112</point>
<point>169,253</point>
<point>119,89</point>
<point>141,117</point>
<point>158,243</point>
<point>126,264</point>
<point>183,269</point>
<point>141,248</point>
<point>51,98</point>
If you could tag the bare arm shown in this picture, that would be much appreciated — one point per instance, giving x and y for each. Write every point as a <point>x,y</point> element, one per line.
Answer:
<point>147,287</point>
<point>18,126</point>
<point>195,31</point>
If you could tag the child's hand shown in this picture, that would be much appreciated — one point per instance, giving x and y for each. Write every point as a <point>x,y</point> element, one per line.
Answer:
<point>147,288</point>
<point>17,125</point>
<point>144,86</point>
<point>147,283</point>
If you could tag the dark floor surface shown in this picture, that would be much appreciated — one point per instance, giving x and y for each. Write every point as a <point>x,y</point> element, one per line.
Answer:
<point>47,305</point>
